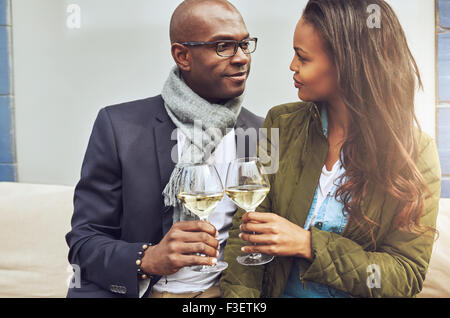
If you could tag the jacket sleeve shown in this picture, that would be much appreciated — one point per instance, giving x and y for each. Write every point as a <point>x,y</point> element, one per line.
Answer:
<point>397,268</point>
<point>240,281</point>
<point>94,240</point>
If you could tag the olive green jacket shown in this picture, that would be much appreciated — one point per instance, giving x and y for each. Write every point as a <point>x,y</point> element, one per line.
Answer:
<point>344,262</point>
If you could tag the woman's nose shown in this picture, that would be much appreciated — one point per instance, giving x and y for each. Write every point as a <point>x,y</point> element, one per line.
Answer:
<point>294,67</point>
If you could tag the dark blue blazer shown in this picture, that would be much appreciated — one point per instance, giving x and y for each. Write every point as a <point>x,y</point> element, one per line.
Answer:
<point>118,202</point>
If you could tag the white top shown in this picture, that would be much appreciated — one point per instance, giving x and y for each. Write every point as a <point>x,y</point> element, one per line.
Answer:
<point>186,280</point>
<point>327,179</point>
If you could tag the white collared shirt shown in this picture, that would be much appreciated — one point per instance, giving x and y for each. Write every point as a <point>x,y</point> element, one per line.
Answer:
<point>186,280</point>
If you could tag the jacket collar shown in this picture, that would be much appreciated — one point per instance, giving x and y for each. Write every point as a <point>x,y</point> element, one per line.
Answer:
<point>241,120</point>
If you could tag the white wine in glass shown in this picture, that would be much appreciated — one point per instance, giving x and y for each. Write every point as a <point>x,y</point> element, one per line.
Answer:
<point>200,192</point>
<point>248,186</point>
<point>248,197</point>
<point>201,204</point>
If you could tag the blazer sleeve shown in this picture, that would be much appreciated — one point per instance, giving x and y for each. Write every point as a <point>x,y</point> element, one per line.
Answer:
<point>94,239</point>
<point>397,268</point>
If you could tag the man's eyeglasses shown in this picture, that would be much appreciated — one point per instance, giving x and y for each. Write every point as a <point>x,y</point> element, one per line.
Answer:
<point>229,48</point>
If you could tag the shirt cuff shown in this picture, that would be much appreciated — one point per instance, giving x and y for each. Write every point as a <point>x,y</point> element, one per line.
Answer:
<point>143,286</point>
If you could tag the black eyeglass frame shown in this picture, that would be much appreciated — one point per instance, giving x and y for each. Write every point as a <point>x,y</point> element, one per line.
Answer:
<point>236,45</point>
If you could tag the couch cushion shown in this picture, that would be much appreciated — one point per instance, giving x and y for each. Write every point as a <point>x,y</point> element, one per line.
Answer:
<point>437,281</point>
<point>34,220</point>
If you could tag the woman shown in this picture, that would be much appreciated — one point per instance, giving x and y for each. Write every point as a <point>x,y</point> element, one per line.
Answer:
<point>353,206</point>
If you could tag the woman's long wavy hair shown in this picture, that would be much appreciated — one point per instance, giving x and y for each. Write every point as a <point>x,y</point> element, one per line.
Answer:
<point>377,77</point>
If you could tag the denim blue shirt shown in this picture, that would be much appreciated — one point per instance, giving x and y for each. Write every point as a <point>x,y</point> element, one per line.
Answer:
<point>330,218</point>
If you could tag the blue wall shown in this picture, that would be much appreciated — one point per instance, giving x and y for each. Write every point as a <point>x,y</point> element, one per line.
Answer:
<point>8,166</point>
<point>444,94</point>
<point>444,13</point>
<point>444,149</point>
<point>444,67</point>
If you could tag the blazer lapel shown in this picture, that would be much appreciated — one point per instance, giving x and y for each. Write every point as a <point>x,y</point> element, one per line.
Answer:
<point>164,147</point>
<point>241,126</point>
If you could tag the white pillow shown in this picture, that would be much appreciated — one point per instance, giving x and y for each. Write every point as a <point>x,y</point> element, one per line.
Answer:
<point>437,281</point>
<point>33,253</point>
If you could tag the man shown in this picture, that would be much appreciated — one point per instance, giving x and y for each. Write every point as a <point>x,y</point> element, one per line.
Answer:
<point>128,229</point>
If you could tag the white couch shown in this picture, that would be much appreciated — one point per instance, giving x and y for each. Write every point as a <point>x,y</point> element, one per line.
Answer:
<point>33,253</point>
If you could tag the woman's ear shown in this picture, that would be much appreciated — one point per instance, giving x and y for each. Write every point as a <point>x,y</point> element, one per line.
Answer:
<point>182,56</point>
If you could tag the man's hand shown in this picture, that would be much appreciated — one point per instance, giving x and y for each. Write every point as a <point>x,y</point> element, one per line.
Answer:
<point>178,247</point>
<point>277,236</point>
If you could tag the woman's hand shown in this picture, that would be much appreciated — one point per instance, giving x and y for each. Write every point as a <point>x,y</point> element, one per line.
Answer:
<point>275,236</point>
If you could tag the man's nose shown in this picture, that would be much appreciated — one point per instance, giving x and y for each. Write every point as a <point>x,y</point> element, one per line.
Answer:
<point>240,57</point>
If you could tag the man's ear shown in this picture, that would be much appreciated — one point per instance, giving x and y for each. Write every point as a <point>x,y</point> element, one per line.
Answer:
<point>182,56</point>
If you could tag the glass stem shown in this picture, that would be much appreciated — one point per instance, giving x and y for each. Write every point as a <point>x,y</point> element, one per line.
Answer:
<point>254,255</point>
<point>204,267</point>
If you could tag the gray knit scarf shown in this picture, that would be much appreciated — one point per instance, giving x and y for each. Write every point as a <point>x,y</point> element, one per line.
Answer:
<point>204,125</point>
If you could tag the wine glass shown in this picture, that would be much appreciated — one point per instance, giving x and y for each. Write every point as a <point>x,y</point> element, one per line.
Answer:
<point>200,192</point>
<point>247,186</point>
